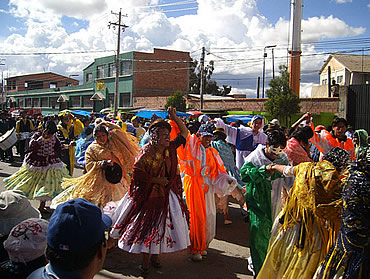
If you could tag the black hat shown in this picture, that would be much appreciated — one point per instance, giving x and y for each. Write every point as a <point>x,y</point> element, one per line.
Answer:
<point>113,173</point>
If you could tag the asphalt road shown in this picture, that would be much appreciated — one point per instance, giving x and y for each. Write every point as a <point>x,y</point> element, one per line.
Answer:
<point>226,258</point>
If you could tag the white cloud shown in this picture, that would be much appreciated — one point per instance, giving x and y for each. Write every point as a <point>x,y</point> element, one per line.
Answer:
<point>218,24</point>
<point>343,1</point>
<point>317,28</point>
<point>306,89</point>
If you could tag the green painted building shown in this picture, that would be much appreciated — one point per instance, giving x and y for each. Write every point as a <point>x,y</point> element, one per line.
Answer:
<point>96,92</point>
<point>142,76</point>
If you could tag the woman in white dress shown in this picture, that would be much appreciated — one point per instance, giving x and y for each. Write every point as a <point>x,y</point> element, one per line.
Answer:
<point>152,218</point>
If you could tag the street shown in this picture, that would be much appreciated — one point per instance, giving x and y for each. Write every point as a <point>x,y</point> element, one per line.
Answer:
<point>226,258</point>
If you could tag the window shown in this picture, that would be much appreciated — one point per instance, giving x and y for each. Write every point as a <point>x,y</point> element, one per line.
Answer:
<point>339,79</point>
<point>44,102</point>
<point>34,84</point>
<point>126,67</point>
<point>324,81</point>
<point>112,69</point>
<point>36,102</point>
<point>21,102</point>
<point>13,84</point>
<point>88,77</point>
<point>75,101</point>
<point>100,71</point>
<point>86,102</point>
<point>111,99</point>
<point>25,84</point>
<point>52,85</point>
<point>28,102</point>
<point>53,101</point>
<point>124,100</point>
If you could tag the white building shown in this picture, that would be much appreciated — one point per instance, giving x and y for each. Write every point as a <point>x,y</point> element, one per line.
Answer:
<point>345,70</point>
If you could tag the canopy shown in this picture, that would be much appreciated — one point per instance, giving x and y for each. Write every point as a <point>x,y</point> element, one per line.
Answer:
<point>81,112</point>
<point>161,113</point>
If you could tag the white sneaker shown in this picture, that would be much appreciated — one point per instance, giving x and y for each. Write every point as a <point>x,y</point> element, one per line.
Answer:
<point>196,257</point>
<point>250,266</point>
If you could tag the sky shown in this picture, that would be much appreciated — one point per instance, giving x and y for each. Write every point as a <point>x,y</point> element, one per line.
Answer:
<point>65,36</point>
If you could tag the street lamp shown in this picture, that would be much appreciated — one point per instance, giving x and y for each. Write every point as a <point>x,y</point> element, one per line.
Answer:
<point>263,73</point>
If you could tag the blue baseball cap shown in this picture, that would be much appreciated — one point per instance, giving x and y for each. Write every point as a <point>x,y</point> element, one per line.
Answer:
<point>77,225</point>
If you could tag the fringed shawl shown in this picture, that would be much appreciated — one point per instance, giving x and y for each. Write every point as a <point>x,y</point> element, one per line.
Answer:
<point>314,199</point>
<point>151,201</point>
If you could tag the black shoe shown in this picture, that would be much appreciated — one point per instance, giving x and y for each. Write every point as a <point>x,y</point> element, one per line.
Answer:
<point>155,264</point>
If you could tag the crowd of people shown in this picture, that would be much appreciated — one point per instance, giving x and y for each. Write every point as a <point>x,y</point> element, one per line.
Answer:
<point>155,187</point>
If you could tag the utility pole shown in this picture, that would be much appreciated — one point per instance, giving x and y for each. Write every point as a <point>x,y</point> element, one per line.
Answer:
<point>202,77</point>
<point>116,94</point>
<point>2,83</point>
<point>263,74</point>
<point>273,64</point>
<point>329,82</point>
<point>258,87</point>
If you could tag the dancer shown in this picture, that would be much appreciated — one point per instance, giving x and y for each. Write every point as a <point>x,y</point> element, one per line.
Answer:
<point>259,177</point>
<point>325,140</point>
<point>361,143</point>
<point>23,128</point>
<point>68,129</point>
<point>298,147</point>
<point>227,156</point>
<point>42,171</point>
<point>204,175</point>
<point>350,255</point>
<point>245,139</point>
<point>152,218</point>
<point>310,220</point>
<point>114,152</point>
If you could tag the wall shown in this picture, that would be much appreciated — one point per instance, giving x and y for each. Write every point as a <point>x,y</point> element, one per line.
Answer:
<point>313,105</point>
<point>153,78</point>
<point>157,102</point>
<point>319,91</point>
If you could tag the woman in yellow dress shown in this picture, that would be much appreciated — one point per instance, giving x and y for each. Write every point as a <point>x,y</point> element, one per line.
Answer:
<point>112,152</point>
<point>309,223</point>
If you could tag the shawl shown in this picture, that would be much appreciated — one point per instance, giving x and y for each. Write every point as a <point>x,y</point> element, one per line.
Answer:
<point>352,247</point>
<point>314,198</point>
<point>120,148</point>
<point>151,201</point>
<point>296,152</point>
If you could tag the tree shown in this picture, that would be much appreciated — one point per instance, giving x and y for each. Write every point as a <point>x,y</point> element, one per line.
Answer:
<point>210,86</point>
<point>177,101</point>
<point>282,102</point>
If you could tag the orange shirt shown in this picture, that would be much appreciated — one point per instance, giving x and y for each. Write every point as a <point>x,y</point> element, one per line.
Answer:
<point>325,141</point>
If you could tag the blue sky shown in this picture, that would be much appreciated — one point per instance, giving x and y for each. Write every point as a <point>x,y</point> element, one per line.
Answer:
<point>234,33</point>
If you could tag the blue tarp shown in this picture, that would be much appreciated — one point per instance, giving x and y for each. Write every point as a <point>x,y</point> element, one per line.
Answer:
<point>81,112</point>
<point>161,113</point>
<point>245,118</point>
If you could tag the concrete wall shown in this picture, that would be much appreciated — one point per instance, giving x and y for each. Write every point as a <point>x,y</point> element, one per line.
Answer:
<point>157,102</point>
<point>313,105</point>
<point>320,91</point>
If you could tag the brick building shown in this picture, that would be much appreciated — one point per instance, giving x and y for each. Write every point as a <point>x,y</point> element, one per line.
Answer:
<point>38,81</point>
<point>145,79</point>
